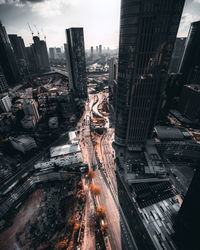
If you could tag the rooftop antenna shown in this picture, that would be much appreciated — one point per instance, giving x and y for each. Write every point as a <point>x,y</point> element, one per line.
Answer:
<point>44,35</point>
<point>37,30</point>
<point>30,29</point>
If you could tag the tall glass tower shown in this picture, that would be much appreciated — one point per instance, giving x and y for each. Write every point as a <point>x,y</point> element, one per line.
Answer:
<point>148,31</point>
<point>8,61</point>
<point>75,55</point>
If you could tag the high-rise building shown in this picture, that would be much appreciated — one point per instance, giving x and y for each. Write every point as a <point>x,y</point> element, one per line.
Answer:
<point>52,53</point>
<point>177,54</point>
<point>58,53</point>
<point>148,31</point>
<point>189,104</point>
<point>190,64</point>
<point>113,75</point>
<point>8,60</point>
<point>20,53</point>
<point>92,51</point>
<point>75,55</point>
<point>18,46</point>
<point>5,103</point>
<point>100,50</point>
<point>38,56</point>
<point>97,50</point>
<point>188,219</point>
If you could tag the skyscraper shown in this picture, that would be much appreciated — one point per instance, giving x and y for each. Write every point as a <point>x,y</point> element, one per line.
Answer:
<point>38,56</point>
<point>52,53</point>
<point>190,64</point>
<point>97,49</point>
<point>8,59</point>
<point>92,51</point>
<point>18,46</point>
<point>100,50</point>
<point>20,53</point>
<point>75,55</point>
<point>177,54</point>
<point>188,219</point>
<point>148,30</point>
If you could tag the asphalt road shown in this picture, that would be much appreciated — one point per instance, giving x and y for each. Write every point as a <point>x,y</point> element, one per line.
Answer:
<point>119,233</point>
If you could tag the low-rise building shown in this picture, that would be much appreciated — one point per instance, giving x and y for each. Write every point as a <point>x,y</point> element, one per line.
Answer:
<point>23,143</point>
<point>65,150</point>
<point>28,122</point>
<point>5,103</point>
<point>53,122</point>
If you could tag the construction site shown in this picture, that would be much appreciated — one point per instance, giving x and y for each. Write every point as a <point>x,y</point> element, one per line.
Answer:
<point>50,218</point>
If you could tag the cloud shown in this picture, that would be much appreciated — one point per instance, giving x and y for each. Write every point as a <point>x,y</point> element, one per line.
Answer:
<point>17,2</point>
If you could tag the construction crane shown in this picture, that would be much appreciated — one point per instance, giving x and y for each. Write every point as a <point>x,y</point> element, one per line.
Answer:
<point>37,30</point>
<point>43,35</point>
<point>30,29</point>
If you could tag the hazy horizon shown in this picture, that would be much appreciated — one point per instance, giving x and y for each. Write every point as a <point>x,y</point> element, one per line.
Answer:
<point>100,20</point>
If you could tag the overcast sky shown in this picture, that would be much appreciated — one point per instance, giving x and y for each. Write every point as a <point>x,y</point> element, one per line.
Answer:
<point>100,19</point>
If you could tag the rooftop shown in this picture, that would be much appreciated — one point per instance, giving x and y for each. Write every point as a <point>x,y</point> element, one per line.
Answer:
<point>164,132</point>
<point>64,150</point>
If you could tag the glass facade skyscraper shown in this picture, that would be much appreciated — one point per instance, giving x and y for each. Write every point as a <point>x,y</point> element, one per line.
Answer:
<point>75,55</point>
<point>148,31</point>
<point>8,60</point>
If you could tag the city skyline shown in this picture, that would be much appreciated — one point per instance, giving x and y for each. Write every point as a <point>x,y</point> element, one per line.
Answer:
<point>77,13</point>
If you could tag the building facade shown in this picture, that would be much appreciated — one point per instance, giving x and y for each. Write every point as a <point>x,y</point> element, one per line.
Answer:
<point>189,104</point>
<point>188,218</point>
<point>76,64</point>
<point>147,34</point>
<point>190,64</point>
<point>8,61</point>
<point>3,82</point>
<point>37,54</point>
<point>177,54</point>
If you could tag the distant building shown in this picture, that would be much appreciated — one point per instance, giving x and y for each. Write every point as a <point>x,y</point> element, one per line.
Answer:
<point>190,64</point>
<point>100,50</point>
<point>58,53</point>
<point>30,108</point>
<point>5,103</point>
<point>188,219</point>
<point>8,61</point>
<point>23,143</point>
<point>147,35</point>
<point>189,104</point>
<point>113,75</point>
<point>177,54</point>
<point>92,51</point>
<point>76,64</point>
<point>52,53</point>
<point>38,56</point>
<point>97,50</point>
<point>18,46</point>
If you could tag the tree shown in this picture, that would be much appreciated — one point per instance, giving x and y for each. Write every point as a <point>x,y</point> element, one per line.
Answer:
<point>101,213</point>
<point>95,189</point>
<point>90,175</point>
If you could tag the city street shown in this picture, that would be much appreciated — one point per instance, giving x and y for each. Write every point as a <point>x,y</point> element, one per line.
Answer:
<point>119,236</point>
